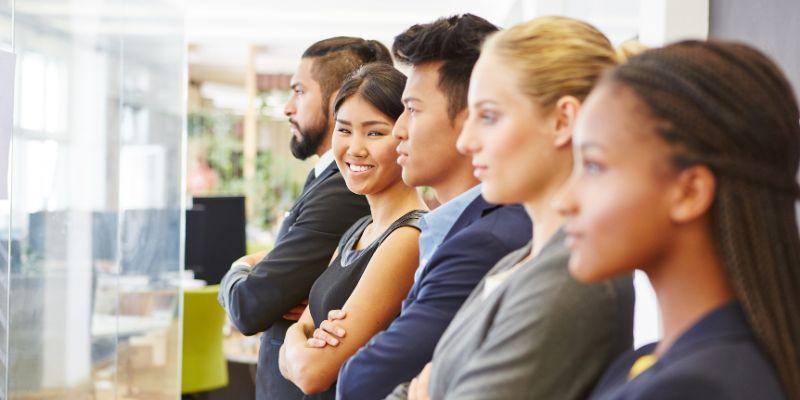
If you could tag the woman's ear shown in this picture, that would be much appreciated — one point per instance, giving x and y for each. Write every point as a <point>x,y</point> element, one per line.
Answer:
<point>694,193</point>
<point>565,112</point>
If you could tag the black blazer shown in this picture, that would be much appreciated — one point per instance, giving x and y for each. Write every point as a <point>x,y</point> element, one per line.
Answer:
<point>257,299</point>
<point>717,358</point>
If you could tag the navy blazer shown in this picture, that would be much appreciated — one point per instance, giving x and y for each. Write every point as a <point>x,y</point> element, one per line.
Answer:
<point>717,358</point>
<point>482,235</point>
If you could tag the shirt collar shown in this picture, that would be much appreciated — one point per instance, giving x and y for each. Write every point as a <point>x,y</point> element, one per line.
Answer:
<point>323,163</point>
<point>436,224</point>
<point>440,220</point>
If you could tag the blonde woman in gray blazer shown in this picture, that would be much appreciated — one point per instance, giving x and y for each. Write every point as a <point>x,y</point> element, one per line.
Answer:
<point>529,330</point>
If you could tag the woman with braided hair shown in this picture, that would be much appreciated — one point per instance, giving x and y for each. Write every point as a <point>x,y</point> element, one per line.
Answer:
<point>686,164</point>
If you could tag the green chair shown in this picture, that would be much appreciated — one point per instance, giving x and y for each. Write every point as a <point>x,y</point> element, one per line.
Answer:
<point>204,366</point>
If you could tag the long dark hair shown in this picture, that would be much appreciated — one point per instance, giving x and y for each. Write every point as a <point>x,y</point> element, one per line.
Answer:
<point>379,84</point>
<point>728,107</point>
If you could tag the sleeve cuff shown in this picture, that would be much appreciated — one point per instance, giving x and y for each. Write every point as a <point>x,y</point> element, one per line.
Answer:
<point>239,270</point>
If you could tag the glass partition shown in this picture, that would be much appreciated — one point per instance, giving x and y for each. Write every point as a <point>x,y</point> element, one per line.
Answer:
<point>94,235</point>
<point>6,18</point>
<point>5,24</point>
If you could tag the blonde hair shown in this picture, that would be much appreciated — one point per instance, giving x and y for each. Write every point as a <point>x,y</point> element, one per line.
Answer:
<point>554,57</point>
<point>629,48</point>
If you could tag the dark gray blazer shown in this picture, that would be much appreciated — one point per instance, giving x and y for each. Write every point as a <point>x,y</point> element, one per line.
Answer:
<point>539,335</point>
<point>256,299</point>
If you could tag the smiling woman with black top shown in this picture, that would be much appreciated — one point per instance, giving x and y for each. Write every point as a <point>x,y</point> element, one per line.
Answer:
<point>373,267</point>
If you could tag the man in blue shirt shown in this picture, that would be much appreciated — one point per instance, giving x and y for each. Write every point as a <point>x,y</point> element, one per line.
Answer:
<point>462,239</point>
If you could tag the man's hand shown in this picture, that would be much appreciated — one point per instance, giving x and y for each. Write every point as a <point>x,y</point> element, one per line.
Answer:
<point>329,333</point>
<point>297,311</point>
<point>252,259</point>
<point>418,390</point>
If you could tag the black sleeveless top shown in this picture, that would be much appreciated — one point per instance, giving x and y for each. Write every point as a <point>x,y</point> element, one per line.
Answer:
<point>332,289</point>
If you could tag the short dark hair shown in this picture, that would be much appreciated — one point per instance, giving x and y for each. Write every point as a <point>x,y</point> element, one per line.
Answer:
<point>337,57</point>
<point>454,40</point>
<point>380,84</point>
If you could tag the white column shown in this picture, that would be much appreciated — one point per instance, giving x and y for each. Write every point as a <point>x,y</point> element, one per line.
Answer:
<point>665,21</point>
<point>539,8</point>
<point>647,325</point>
<point>524,10</point>
<point>250,146</point>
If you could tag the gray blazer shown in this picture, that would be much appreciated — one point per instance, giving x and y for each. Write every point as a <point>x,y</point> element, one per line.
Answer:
<point>538,335</point>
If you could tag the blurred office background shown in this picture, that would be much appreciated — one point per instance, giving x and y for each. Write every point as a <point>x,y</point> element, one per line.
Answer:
<point>149,149</point>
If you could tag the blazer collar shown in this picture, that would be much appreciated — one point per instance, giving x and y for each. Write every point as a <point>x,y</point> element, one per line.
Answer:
<point>331,169</point>
<point>327,173</point>
<point>474,211</point>
<point>726,322</point>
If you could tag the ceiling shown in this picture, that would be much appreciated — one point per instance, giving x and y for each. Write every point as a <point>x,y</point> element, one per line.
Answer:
<point>220,33</point>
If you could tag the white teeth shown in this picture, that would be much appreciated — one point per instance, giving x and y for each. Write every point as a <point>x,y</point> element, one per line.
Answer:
<point>359,168</point>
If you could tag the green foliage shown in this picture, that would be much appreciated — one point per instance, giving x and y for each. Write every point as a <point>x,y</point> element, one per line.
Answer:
<point>214,138</point>
<point>274,189</point>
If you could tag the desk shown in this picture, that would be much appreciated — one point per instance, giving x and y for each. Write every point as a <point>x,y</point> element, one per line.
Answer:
<point>124,326</point>
<point>240,348</point>
<point>242,355</point>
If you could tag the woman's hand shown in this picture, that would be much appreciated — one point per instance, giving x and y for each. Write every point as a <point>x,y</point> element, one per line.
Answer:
<point>328,333</point>
<point>282,365</point>
<point>418,390</point>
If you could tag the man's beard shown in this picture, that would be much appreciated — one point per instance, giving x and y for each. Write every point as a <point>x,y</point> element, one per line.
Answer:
<point>311,139</point>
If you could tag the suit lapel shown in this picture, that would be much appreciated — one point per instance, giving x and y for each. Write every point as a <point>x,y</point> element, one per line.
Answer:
<point>327,173</point>
<point>474,211</point>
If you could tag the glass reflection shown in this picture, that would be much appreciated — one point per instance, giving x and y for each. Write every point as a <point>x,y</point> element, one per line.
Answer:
<point>94,229</point>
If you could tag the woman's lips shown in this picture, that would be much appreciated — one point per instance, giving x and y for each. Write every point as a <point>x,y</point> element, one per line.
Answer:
<point>357,169</point>
<point>572,238</point>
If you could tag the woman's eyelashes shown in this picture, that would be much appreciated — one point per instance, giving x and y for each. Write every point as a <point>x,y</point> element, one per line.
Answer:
<point>488,117</point>
<point>346,131</point>
<point>592,167</point>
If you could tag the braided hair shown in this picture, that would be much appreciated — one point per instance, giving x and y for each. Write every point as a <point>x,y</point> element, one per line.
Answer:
<point>727,106</point>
